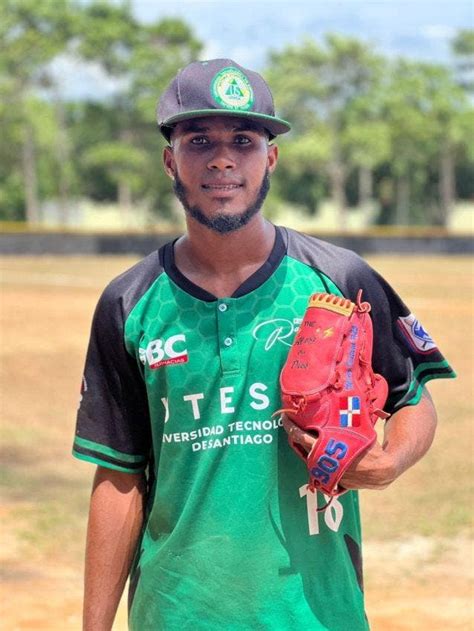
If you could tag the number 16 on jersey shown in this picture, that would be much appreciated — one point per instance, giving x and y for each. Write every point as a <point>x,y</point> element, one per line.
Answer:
<point>332,515</point>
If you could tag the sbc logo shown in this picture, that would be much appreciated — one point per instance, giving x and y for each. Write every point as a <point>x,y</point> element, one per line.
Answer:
<point>163,352</point>
<point>328,463</point>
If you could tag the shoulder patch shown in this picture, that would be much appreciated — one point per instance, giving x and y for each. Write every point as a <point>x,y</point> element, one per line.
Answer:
<point>415,334</point>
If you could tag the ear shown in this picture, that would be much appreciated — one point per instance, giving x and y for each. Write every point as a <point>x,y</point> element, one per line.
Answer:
<point>169,162</point>
<point>272,157</point>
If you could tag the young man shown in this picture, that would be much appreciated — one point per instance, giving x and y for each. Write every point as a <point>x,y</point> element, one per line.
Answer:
<point>197,494</point>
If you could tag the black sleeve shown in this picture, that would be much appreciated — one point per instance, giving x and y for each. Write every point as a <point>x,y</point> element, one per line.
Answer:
<point>403,352</point>
<point>113,425</point>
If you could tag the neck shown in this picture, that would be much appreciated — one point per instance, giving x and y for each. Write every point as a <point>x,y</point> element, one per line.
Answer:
<point>224,254</point>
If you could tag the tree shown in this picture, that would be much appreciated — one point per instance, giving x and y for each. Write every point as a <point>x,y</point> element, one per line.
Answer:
<point>321,85</point>
<point>31,35</point>
<point>368,145</point>
<point>423,106</point>
<point>143,59</point>
<point>125,165</point>
<point>462,47</point>
<point>450,109</point>
<point>107,33</point>
<point>300,176</point>
<point>163,48</point>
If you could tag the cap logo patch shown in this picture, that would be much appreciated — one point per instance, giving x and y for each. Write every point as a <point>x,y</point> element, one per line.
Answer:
<point>231,89</point>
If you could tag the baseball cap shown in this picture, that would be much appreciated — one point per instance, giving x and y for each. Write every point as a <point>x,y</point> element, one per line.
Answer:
<point>218,87</point>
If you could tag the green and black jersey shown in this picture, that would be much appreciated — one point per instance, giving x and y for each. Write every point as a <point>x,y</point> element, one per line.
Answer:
<point>184,385</point>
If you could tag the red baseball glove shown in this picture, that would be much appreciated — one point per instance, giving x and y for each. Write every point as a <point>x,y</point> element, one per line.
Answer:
<point>329,388</point>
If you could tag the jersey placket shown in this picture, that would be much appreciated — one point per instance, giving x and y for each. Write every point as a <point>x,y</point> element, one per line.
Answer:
<point>227,336</point>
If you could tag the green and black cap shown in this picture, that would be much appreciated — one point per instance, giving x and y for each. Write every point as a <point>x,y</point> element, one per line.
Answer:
<point>218,87</point>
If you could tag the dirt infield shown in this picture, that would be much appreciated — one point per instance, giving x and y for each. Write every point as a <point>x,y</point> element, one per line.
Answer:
<point>418,553</point>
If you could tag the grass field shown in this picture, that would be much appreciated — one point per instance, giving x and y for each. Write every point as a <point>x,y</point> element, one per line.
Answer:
<point>418,553</point>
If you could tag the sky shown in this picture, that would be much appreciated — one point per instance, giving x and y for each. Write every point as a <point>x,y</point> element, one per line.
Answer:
<point>245,31</point>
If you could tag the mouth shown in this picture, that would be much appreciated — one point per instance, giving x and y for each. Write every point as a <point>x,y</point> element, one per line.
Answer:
<point>221,187</point>
<point>221,190</point>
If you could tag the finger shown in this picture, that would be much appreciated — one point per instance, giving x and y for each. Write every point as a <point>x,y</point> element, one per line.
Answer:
<point>287,423</point>
<point>297,435</point>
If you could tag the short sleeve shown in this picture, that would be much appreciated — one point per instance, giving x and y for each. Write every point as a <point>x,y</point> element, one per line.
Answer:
<point>403,352</point>
<point>113,424</point>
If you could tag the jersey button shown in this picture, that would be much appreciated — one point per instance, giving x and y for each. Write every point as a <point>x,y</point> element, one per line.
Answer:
<point>228,341</point>
<point>222,307</point>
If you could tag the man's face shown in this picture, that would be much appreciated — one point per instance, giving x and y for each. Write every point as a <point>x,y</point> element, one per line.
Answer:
<point>221,167</point>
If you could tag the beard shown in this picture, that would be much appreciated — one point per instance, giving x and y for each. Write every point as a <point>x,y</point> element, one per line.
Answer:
<point>222,223</point>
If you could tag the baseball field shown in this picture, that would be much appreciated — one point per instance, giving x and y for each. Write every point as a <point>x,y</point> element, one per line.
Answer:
<point>418,533</point>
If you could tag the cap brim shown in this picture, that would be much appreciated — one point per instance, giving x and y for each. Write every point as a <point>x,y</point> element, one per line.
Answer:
<point>274,125</point>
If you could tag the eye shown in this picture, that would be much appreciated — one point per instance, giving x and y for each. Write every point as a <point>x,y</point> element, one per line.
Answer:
<point>199,140</point>
<point>242,140</point>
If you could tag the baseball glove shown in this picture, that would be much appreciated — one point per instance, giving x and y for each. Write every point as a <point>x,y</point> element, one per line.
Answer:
<point>329,389</point>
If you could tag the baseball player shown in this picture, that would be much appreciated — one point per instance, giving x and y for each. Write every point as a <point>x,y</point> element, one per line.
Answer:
<point>197,495</point>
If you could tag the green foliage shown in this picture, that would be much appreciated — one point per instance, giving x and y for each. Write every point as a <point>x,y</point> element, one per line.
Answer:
<point>42,124</point>
<point>162,49</point>
<point>352,111</point>
<point>463,43</point>
<point>107,32</point>
<point>368,142</point>
<point>316,83</point>
<point>298,177</point>
<point>463,50</point>
<point>327,90</point>
<point>145,57</point>
<point>123,162</point>
<point>424,109</point>
<point>11,197</point>
<point>31,34</point>
<point>91,123</point>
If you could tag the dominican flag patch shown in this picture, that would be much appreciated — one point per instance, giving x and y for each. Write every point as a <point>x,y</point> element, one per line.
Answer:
<point>349,411</point>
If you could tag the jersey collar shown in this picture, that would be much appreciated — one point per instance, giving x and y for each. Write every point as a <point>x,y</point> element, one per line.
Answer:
<point>167,261</point>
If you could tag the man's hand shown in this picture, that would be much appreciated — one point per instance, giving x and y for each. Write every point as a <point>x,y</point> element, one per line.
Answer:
<point>304,439</point>
<point>372,470</point>
<point>408,435</point>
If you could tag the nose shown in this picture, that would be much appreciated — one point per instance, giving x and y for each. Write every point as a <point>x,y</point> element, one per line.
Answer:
<point>221,159</point>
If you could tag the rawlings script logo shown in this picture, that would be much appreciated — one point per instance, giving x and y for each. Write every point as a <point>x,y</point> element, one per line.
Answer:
<point>277,330</point>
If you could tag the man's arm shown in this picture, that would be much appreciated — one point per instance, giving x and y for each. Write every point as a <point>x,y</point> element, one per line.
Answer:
<point>408,435</point>
<point>115,521</point>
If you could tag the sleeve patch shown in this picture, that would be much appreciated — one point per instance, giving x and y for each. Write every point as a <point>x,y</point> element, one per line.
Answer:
<point>415,335</point>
